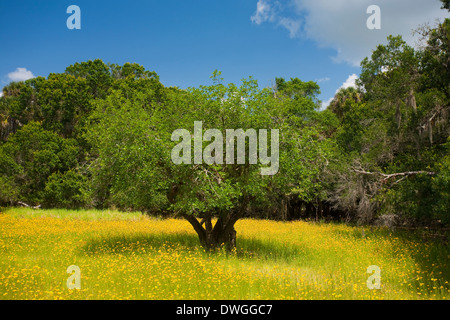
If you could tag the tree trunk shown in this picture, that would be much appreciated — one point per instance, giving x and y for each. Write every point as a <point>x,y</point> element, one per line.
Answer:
<point>411,100</point>
<point>398,115</point>
<point>232,240</point>
<point>210,241</point>
<point>224,231</point>
<point>222,235</point>
<point>201,232</point>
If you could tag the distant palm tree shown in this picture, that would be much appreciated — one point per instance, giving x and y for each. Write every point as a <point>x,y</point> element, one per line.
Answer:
<point>12,89</point>
<point>340,98</point>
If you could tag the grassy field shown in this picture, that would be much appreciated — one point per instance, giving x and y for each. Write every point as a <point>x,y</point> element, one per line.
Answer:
<point>132,256</point>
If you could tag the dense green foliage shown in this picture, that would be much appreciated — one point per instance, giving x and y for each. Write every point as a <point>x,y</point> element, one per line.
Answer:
<point>99,136</point>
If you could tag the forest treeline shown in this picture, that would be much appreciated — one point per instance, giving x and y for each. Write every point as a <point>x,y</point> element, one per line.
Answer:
<point>99,136</point>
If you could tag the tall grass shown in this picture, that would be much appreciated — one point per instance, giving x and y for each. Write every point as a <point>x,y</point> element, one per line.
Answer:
<point>89,215</point>
<point>133,256</point>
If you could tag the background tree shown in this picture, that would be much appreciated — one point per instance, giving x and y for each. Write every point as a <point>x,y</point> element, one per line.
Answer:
<point>338,104</point>
<point>395,137</point>
<point>30,156</point>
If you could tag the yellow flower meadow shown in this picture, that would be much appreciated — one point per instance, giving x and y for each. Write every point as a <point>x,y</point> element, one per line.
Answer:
<point>138,257</point>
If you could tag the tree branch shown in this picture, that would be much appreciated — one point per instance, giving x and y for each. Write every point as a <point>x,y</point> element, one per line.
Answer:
<point>28,206</point>
<point>387,176</point>
<point>196,225</point>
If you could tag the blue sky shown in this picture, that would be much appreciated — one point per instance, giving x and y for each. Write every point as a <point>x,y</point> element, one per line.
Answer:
<point>185,41</point>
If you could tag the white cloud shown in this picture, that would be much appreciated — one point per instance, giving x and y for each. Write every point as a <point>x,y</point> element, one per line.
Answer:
<point>1,94</point>
<point>350,82</point>
<point>292,25</point>
<point>325,104</point>
<point>20,74</point>
<point>325,79</point>
<point>271,11</point>
<point>264,12</point>
<point>341,24</point>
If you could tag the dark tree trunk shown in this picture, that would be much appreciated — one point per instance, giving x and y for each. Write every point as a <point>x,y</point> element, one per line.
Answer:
<point>222,234</point>
<point>232,240</point>
<point>201,232</point>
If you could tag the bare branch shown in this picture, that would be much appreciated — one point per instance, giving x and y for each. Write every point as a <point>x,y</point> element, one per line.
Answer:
<point>398,174</point>
<point>28,206</point>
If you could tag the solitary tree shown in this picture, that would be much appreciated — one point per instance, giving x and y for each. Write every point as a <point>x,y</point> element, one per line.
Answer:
<point>134,145</point>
